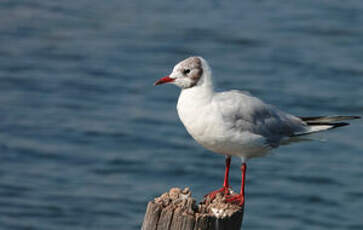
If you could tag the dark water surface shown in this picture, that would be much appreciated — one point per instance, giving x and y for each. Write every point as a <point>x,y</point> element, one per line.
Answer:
<point>86,140</point>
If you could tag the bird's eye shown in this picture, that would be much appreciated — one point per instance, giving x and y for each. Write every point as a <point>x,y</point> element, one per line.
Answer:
<point>186,71</point>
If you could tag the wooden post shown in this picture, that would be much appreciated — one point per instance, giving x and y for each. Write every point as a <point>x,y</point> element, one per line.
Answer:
<point>177,210</point>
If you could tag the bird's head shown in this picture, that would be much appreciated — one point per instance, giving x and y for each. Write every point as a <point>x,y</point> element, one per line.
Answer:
<point>187,73</point>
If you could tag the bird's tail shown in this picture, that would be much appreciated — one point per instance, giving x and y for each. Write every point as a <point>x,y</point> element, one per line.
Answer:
<point>322,123</point>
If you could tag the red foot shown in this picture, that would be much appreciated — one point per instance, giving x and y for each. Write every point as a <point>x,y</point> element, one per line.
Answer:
<point>213,194</point>
<point>239,199</point>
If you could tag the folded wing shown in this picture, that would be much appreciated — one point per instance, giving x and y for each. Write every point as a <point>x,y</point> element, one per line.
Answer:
<point>243,112</point>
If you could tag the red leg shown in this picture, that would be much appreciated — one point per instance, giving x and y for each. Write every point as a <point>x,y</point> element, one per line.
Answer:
<point>225,188</point>
<point>240,198</point>
<point>226,172</point>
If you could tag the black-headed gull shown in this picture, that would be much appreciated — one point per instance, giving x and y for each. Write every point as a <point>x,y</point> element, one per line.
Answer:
<point>235,123</point>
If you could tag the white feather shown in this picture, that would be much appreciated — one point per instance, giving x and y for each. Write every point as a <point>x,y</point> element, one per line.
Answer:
<point>233,122</point>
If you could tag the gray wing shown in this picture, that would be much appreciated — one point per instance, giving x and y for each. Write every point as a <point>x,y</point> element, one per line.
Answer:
<point>242,112</point>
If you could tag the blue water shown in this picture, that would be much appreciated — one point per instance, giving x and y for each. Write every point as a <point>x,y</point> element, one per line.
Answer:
<point>86,140</point>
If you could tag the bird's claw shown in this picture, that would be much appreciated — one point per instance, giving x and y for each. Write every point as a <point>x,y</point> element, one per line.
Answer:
<point>237,199</point>
<point>212,195</point>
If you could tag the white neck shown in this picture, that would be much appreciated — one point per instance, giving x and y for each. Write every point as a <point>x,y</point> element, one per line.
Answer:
<point>202,92</point>
<point>194,105</point>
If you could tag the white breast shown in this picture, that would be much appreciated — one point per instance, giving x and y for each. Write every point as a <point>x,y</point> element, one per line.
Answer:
<point>199,116</point>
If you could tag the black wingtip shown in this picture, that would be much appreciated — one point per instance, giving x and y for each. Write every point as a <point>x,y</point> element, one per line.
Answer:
<point>339,124</point>
<point>319,119</point>
<point>333,125</point>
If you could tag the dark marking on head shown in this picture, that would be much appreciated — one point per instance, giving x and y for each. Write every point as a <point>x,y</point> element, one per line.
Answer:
<point>191,68</point>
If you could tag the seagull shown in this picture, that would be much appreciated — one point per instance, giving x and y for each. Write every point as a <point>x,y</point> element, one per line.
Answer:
<point>235,123</point>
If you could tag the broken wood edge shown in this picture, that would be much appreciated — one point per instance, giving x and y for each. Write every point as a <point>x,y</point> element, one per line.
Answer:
<point>177,210</point>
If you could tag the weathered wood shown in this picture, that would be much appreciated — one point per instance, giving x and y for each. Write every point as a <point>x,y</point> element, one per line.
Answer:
<point>152,216</point>
<point>165,218</point>
<point>177,210</point>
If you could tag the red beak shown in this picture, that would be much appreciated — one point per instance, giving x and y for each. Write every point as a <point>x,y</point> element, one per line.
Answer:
<point>163,80</point>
